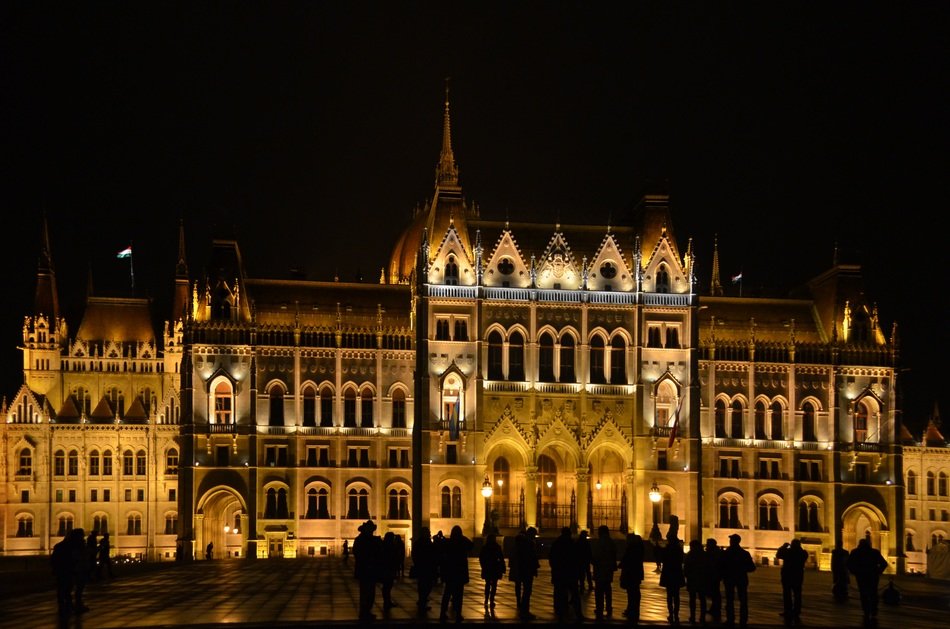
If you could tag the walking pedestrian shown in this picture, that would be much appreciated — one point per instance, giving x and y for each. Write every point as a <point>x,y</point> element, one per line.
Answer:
<point>563,560</point>
<point>454,570</point>
<point>714,579</point>
<point>525,567</point>
<point>346,551</point>
<point>491,558</point>
<point>793,558</point>
<point>840,575</point>
<point>209,550</point>
<point>736,564</point>
<point>671,577</point>
<point>401,556</point>
<point>424,568</point>
<point>105,556</point>
<point>696,569</point>
<point>80,568</point>
<point>367,549</point>
<point>92,553</point>
<point>631,575</point>
<point>867,564</point>
<point>604,560</point>
<point>389,565</point>
<point>66,561</point>
<point>584,558</point>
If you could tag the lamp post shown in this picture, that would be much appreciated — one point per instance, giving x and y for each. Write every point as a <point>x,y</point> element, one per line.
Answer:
<point>655,537</point>
<point>488,528</point>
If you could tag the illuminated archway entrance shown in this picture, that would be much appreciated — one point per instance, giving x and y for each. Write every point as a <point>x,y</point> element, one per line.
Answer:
<point>221,521</point>
<point>864,521</point>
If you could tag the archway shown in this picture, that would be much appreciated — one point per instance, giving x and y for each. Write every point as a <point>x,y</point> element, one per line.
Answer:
<point>223,523</point>
<point>864,521</point>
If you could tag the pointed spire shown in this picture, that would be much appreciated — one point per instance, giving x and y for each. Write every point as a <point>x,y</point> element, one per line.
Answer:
<point>46,298</point>
<point>446,173</point>
<point>181,268</point>
<point>715,285</point>
<point>180,300</point>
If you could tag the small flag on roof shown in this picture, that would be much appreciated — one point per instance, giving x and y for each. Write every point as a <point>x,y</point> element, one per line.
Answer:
<point>125,253</point>
<point>735,278</point>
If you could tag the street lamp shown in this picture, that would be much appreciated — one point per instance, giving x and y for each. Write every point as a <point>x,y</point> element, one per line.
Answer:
<point>655,536</point>
<point>488,528</point>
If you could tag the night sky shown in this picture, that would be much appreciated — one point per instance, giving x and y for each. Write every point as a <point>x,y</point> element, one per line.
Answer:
<point>310,130</point>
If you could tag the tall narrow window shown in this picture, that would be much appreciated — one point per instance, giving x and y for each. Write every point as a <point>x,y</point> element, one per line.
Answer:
<point>720,419</point>
<point>446,495</point>
<point>672,337</point>
<point>128,463</point>
<point>567,359</point>
<point>140,463</point>
<point>860,423</point>
<point>366,408</point>
<point>736,420</point>
<point>456,502</point>
<point>309,407</point>
<point>777,429</point>
<point>653,336</point>
<point>451,272</point>
<point>911,483</point>
<point>73,463</point>
<point>760,421</point>
<point>494,356</point>
<point>618,361</point>
<point>94,469</point>
<point>461,330</point>
<point>597,373</point>
<point>59,463</point>
<point>516,356</point>
<point>501,474</point>
<point>270,505</point>
<point>546,358</point>
<point>349,408</point>
<point>107,463</point>
<point>222,403</point>
<point>276,406</point>
<point>326,408</point>
<point>282,510</point>
<point>442,329</point>
<point>399,409</point>
<point>808,422</point>
<point>662,280</point>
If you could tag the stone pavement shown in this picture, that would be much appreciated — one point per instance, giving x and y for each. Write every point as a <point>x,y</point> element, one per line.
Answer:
<point>299,592</point>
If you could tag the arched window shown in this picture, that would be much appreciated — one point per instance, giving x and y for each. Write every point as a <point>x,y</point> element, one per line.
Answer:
<point>760,421</point>
<point>666,508</point>
<point>451,272</point>
<point>777,431</point>
<point>942,484</point>
<point>309,407</point>
<point>399,409</point>
<point>326,407</point>
<point>598,374</point>
<point>282,510</point>
<point>171,523</point>
<point>618,361</point>
<point>662,280</point>
<point>24,525</point>
<point>546,358</point>
<point>65,524</point>
<point>318,504</point>
<point>59,463</point>
<point>270,504</point>
<point>100,524</point>
<point>653,336</point>
<point>72,463</point>
<point>26,462</point>
<point>94,468</point>
<point>134,525</point>
<point>931,484</point>
<point>567,359</point>
<point>357,504</point>
<point>107,463</point>
<point>501,479</point>
<point>461,330</point>
<point>768,514</point>
<point>729,513</point>
<point>398,504</point>
<point>446,495</point>
<point>141,463</point>
<point>736,428</point>
<point>909,542</point>
<point>349,408</point>
<point>128,463</point>
<point>912,483</point>
<point>808,422</point>
<point>494,356</point>
<point>442,329</point>
<point>456,502</point>
<point>808,517</point>
<point>171,462</point>
<point>720,419</point>
<point>860,422</point>
<point>547,485</point>
<point>516,356</point>
<point>276,406</point>
<point>222,402</point>
<point>672,337</point>
<point>366,408</point>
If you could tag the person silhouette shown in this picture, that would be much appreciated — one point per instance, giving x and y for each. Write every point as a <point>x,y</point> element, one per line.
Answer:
<point>389,566</point>
<point>454,573</point>
<point>793,558</point>
<point>424,566</point>
<point>563,560</point>
<point>491,558</point>
<point>584,562</point>
<point>866,564</point>
<point>346,551</point>
<point>209,550</point>
<point>367,549</point>
<point>714,579</point>
<point>671,577</point>
<point>840,575</point>
<point>604,560</point>
<point>105,556</point>
<point>523,571</point>
<point>696,569</point>
<point>736,564</point>
<point>631,575</point>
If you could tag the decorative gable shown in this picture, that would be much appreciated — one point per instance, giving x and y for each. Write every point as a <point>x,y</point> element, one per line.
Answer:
<point>663,272</point>
<point>26,408</point>
<point>557,267</point>
<point>609,270</point>
<point>507,266</point>
<point>452,264</point>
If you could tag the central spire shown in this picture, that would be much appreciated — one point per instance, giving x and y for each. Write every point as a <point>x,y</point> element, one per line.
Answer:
<point>447,173</point>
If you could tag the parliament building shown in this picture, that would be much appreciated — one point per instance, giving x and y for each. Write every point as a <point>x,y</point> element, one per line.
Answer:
<point>500,374</point>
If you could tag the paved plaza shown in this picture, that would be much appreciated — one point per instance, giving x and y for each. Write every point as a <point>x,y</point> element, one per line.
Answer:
<point>301,592</point>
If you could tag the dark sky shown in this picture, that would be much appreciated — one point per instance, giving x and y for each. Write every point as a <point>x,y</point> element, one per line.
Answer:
<point>309,130</point>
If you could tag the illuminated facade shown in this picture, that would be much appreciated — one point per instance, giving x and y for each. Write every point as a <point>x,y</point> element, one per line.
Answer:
<point>574,370</point>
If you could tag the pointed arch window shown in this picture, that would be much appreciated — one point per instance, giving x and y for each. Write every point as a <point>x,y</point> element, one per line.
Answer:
<point>366,408</point>
<point>309,407</point>
<point>451,271</point>
<point>276,406</point>
<point>59,463</point>
<point>326,407</point>
<point>107,463</point>
<point>653,336</point>
<point>398,504</point>
<point>672,337</point>
<point>128,463</point>
<point>222,403</point>
<point>736,427</point>
<point>442,329</point>
<point>729,513</point>
<point>860,423</point>
<point>931,484</point>
<point>760,421</point>
<point>777,428</point>
<point>567,359</point>
<point>547,485</point>
<point>349,408</point>
<point>357,504</point>
<point>140,463</point>
<point>399,409</point>
<point>501,477</point>
<point>546,358</point>
<point>912,483</point>
<point>494,356</point>
<point>720,419</point>
<point>171,462</point>
<point>618,361</point>
<point>72,467</point>
<point>662,280</point>
<point>942,484</point>
<point>808,422</point>
<point>516,357</point>
<point>597,362</point>
<point>94,469</point>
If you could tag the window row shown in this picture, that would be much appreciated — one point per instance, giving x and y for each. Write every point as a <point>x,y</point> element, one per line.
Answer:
<point>936,484</point>
<point>557,358</point>
<point>768,422</point>
<point>357,506</point>
<point>67,463</point>
<point>99,524</point>
<point>730,466</point>
<point>769,508</point>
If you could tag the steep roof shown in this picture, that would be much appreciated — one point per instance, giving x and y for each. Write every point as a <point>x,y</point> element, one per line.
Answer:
<point>120,319</point>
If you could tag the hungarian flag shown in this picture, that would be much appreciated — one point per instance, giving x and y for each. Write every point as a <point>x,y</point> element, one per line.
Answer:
<point>125,253</point>
<point>676,421</point>
<point>737,278</point>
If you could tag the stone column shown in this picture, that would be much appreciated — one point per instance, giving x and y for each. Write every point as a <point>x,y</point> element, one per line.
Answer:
<point>583,486</point>
<point>531,496</point>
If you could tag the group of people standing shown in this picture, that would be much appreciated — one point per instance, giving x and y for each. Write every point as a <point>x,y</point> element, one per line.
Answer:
<point>76,560</point>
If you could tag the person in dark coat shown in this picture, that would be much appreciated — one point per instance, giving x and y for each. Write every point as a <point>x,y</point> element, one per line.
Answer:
<point>105,556</point>
<point>400,556</point>
<point>454,569</point>
<point>867,564</point>
<point>696,571</point>
<point>671,577</point>
<point>346,551</point>
<point>604,559</point>
<point>389,566</point>
<point>92,552</point>
<point>631,575</point>
<point>584,559</point>
<point>491,558</point>
<point>736,564</point>
<point>714,579</point>
<point>563,560</point>
<point>523,571</point>
<point>793,558</point>
<point>367,551</point>
<point>67,563</point>
<point>424,562</point>
<point>840,576</point>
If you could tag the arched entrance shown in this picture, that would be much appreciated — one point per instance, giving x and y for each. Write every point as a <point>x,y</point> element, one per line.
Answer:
<point>864,521</point>
<point>222,522</point>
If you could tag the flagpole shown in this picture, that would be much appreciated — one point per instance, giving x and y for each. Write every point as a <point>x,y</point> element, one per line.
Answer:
<point>132,271</point>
